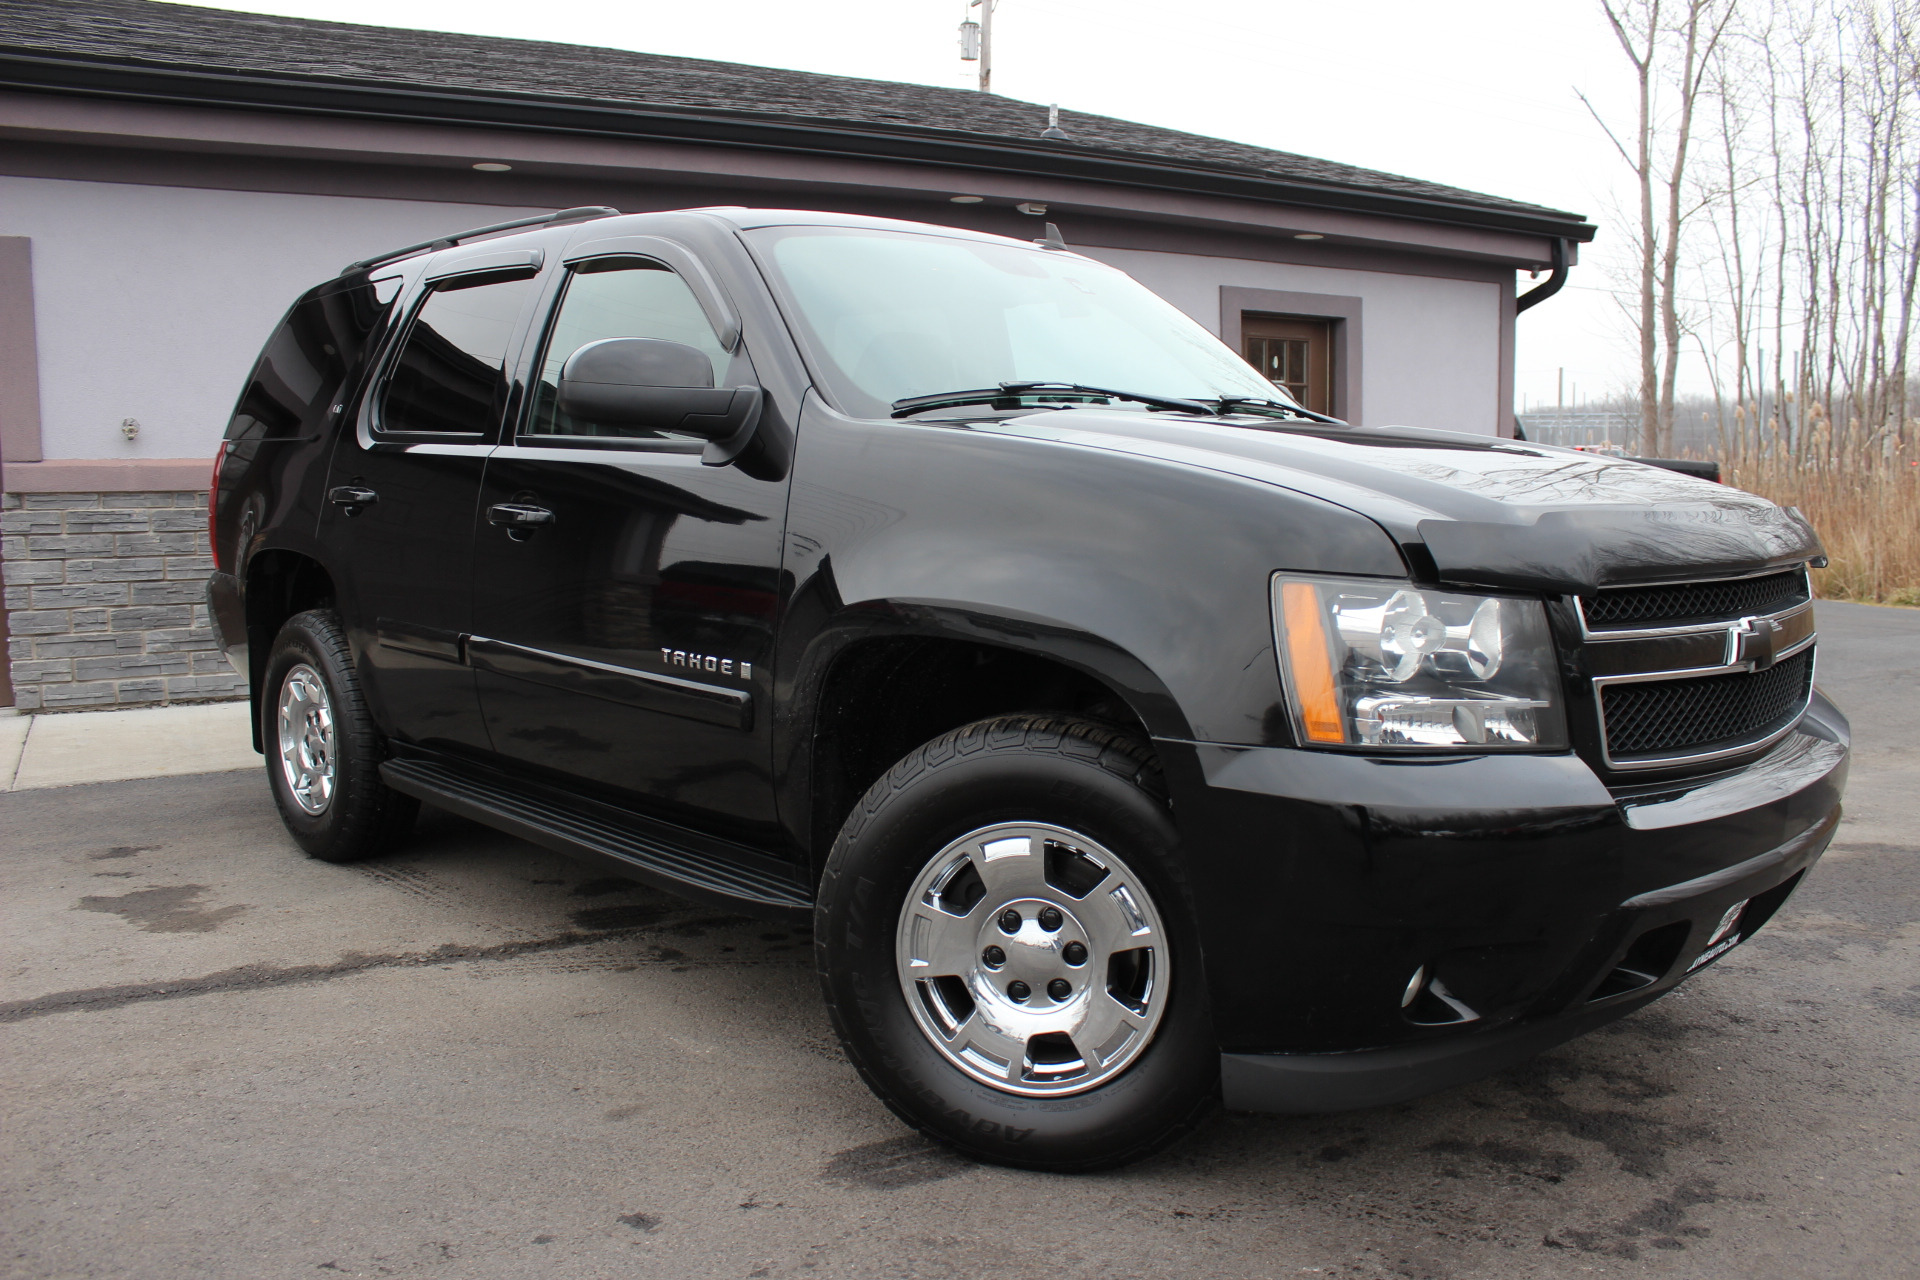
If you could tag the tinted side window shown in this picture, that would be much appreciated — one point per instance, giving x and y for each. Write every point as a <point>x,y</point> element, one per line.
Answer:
<point>620,298</point>
<point>447,377</point>
<point>307,362</point>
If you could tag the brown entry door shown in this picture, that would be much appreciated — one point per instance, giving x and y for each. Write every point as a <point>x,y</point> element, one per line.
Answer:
<point>1294,353</point>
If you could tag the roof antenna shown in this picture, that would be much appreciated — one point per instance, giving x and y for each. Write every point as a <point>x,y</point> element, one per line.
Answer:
<point>1053,132</point>
<point>1053,240</point>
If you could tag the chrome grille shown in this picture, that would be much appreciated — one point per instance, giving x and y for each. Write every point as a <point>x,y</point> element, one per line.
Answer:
<point>1664,717</point>
<point>1691,672</point>
<point>1678,602</point>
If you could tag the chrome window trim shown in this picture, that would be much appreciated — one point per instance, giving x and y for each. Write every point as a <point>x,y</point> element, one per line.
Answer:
<point>1640,633</point>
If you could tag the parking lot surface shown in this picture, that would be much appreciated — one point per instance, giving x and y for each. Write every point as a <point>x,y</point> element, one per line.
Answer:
<point>473,1059</point>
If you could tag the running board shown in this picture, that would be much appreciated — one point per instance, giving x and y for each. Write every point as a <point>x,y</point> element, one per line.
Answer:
<point>679,861</point>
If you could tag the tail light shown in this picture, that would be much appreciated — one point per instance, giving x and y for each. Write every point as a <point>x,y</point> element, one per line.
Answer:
<point>213,506</point>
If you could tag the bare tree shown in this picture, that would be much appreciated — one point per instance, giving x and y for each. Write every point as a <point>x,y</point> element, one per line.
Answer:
<point>1776,159</point>
<point>1647,23</point>
<point>1671,48</point>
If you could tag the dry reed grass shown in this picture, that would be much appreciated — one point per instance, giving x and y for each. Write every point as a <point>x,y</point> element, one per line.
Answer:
<point>1862,495</point>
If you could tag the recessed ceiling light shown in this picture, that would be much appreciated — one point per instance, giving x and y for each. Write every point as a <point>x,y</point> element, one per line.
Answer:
<point>493,166</point>
<point>966,199</point>
<point>1308,235</point>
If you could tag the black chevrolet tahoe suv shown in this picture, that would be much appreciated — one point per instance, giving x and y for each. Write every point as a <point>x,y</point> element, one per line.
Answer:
<point>1131,739</point>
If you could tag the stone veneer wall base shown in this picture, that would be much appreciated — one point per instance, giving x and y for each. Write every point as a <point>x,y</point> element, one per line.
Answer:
<point>106,601</point>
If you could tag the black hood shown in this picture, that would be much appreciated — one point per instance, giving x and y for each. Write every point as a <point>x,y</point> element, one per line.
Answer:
<point>1479,511</point>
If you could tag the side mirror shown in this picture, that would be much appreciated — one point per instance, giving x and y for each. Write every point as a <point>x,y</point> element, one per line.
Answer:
<point>666,386</point>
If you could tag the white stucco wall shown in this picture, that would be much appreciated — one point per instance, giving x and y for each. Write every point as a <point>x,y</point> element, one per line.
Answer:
<point>152,303</point>
<point>1430,354</point>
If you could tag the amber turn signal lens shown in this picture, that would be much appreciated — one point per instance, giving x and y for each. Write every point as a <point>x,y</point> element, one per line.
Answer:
<point>1311,663</point>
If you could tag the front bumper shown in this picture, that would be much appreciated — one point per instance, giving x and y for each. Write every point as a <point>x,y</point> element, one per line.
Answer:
<point>1540,904</point>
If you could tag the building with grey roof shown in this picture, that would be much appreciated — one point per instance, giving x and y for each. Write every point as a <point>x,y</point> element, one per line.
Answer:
<point>171,177</point>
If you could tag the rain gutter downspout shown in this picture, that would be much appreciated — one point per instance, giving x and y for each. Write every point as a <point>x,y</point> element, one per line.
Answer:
<point>1554,283</point>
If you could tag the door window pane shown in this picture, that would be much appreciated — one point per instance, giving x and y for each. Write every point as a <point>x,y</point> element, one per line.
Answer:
<point>620,298</point>
<point>1284,361</point>
<point>448,376</point>
<point>1294,353</point>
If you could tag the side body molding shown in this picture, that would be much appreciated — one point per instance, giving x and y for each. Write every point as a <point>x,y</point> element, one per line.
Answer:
<point>728,707</point>
<point>673,695</point>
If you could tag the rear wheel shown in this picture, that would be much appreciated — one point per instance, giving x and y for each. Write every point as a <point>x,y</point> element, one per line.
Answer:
<point>1006,948</point>
<point>323,749</point>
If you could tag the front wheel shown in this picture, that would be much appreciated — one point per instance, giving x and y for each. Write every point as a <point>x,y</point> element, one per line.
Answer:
<point>1007,952</point>
<point>323,749</point>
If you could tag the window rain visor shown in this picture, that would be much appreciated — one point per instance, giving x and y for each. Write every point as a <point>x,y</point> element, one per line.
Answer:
<point>1386,665</point>
<point>886,315</point>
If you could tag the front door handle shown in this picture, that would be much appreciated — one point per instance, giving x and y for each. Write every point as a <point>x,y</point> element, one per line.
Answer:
<point>519,515</point>
<point>348,495</point>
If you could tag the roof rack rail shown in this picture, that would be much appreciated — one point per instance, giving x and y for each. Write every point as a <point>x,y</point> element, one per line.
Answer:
<point>585,213</point>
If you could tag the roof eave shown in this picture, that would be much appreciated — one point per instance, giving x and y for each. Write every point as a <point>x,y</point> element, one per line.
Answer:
<point>195,86</point>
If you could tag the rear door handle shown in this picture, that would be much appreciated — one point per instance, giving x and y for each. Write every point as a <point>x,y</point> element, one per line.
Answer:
<point>518,515</point>
<point>348,495</point>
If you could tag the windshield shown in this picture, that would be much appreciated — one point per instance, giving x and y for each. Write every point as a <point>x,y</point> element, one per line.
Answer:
<point>894,314</point>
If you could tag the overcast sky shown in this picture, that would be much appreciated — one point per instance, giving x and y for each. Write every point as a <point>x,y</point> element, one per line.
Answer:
<point>1478,95</point>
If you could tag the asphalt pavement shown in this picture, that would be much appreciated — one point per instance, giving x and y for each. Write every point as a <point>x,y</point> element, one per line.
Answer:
<point>473,1059</point>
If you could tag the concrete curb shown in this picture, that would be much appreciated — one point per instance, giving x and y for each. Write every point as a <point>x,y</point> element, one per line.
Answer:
<point>111,746</point>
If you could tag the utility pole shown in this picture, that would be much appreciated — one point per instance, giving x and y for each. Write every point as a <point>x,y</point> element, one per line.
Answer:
<point>986,44</point>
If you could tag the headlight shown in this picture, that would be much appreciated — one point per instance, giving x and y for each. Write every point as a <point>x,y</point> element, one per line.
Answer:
<point>1383,664</point>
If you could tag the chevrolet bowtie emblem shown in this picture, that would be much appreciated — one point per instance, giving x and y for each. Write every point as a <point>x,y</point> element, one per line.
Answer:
<point>1750,642</point>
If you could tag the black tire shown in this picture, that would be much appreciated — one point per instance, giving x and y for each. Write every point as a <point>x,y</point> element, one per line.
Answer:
<point>1077,774</point>
<point>362,816</point>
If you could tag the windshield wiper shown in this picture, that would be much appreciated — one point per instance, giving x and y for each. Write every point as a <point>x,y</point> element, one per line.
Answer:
<point>1015,390</point>
<point>1242,404</point>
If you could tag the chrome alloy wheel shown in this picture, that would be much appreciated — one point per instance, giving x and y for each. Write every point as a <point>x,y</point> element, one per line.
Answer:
<point>1033,959</point>
<point>307,759</point>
